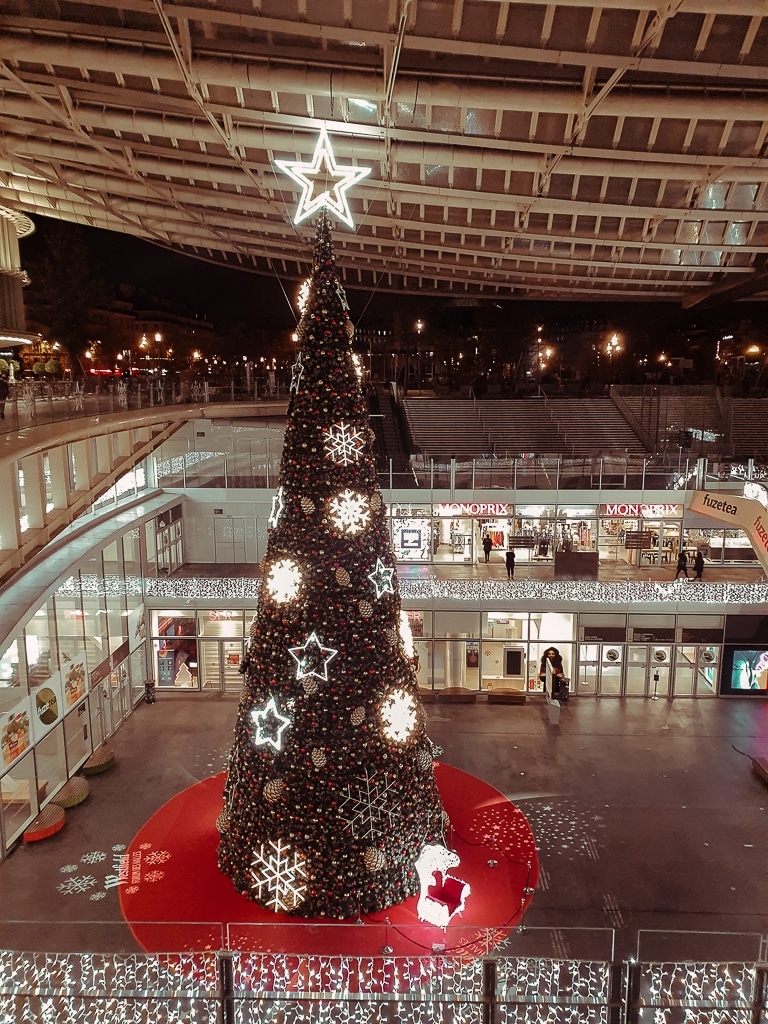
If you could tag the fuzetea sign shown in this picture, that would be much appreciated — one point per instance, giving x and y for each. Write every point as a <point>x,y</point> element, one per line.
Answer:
<point>632,510</point>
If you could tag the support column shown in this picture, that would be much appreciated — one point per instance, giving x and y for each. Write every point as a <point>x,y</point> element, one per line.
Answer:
<point>10,531</point>
<point>34,491</point>
<point>81,455</point>
<point>59,470</point>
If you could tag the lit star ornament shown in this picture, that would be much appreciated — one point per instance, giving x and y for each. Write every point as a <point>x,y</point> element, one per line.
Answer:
<point>381,578</point>
<point>277,507</point>
<point>312,659</point>
<point>283,580</point>
<point>324,184</point>
<point>297,372</point>
<point>270,725</point>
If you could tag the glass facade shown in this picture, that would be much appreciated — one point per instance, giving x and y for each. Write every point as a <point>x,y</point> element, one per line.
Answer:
<point>68,677</point>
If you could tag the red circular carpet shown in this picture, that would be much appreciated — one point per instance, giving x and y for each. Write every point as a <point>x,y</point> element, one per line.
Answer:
<point>174,898</point>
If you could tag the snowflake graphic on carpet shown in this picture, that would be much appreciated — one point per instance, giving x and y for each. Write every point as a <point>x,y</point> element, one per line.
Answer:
<point>154,876</point>
<point>118,847</point>
<point>68,869</point>
<point>94,857</point>
<point>80,883</point>
<point>132,889</point>
<point>365,808</point>
<point>279,875</point>
<point>349,512</point>
<point>157,857</point>
<point>98,895</point>
<point>145,846</point>
<point>343,443</point>
<point>563,826</point>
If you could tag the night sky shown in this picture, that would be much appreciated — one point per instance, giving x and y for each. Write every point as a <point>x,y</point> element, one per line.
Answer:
<point>226,295</point>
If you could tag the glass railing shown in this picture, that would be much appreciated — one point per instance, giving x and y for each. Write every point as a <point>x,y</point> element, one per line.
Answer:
<point>475,987</point>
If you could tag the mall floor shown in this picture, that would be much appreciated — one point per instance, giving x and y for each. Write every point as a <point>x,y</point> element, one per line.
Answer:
<point>651,826</point>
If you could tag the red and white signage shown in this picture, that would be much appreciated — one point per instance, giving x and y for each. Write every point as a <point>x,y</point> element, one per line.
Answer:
<point>740,513</point>
<point>636,510</point>
<point>488,509</point>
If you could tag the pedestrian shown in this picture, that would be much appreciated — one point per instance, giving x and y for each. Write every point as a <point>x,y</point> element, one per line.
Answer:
<point>487,546</point>
<point>682,565</point>
<point>4,390</point>
<point>698,565</point>
<point>552,666</point>
<point>510,564</point>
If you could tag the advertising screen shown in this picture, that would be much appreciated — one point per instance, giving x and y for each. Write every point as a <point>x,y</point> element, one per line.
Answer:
<point>745,671</point>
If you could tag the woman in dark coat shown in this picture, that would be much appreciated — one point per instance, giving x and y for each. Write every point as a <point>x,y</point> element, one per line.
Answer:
<point>551,656</point>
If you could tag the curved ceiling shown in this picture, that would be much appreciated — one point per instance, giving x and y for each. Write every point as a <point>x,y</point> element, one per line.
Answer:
<point>530,150</point>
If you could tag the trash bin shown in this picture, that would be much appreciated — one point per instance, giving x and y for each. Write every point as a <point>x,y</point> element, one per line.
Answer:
<point>149,691</point>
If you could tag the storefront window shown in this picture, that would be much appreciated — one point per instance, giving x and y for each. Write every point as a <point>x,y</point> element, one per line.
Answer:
<point>412,538</point>
<point>176,662</point>
<point>77,738</point>
<point>18,798</point>
<point>51,763</point>
<point>534,532</point>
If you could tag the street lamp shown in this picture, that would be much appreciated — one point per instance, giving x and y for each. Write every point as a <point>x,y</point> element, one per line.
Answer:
<point>613,346</point>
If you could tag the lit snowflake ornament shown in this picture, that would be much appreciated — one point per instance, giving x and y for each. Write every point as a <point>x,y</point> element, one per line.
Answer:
<point>343,443</point>
<point>381,578</point>
<point>366,808</point>
<point>279,875</point>
<point>398,715</point>
<point>283,580</point>
<point>349,512</point>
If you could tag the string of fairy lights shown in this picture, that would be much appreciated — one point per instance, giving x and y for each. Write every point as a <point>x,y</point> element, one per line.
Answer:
<point>610,592</point>
<point>94,988</point>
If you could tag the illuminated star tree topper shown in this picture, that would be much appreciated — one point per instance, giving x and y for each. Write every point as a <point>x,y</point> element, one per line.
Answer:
<point>324,183</point>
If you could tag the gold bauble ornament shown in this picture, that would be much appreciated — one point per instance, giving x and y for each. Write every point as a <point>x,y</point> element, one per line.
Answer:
<point>307,506</point>
<point>318,757</point>
<point>357,716</point>
<point>273,790</point>
<point>374,859</point>
<point>366,609</point>
<point>342,577</point>
<point>222,822</point>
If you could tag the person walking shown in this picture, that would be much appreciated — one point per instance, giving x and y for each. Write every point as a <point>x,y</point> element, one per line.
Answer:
<point>698,565</point>
<point>510,560</point>
<point>682,565</point>
<point>4,391</point>
<point>487,546</point>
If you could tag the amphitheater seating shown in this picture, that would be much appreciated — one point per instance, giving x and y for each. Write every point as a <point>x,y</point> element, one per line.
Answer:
<point>445,428</point>
<point>670,412</point>
<point>522,426</point>
<point>749,432</point>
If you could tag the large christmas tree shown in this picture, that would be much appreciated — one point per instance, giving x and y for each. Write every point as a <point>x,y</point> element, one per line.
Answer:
<point>331,794</point>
